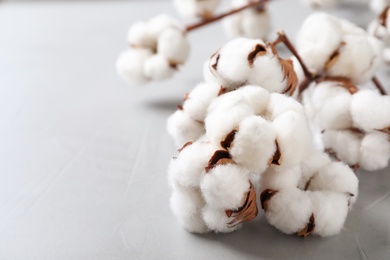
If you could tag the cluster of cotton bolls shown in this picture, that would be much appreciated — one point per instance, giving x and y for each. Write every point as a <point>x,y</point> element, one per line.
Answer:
<point>380,29</point>
<point>335,47</point>
<point>379,5</point>
<point>251,23</point>
<point>157,48</point>
<point>240,62</point>
<point>196,8</point>
<point>320,3</point>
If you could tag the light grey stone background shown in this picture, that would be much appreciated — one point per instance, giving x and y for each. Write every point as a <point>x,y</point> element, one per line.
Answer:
<point>83,156</point>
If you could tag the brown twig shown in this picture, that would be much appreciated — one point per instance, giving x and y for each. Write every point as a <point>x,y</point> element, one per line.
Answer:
<point>257,3</point>
<point>378,85</point>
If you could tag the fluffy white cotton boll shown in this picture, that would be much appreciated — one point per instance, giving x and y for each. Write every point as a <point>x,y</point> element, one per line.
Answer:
<point>207,75</point>
<point>336,177</point>
<point>379,5</point>
<point>158,24</point>
<point>354,63</point>
<point>379,31</point>
<point>183,128</point>
<point>344,143</point>
<point>199,99</point>
<point>194,8</point>
<point>294,138</point>
<point>289,210</point>
<point>374,151</point>
<point>157,67</point>
<point>217,220</point>
<point>319,36</point>
<point>351,28</point>
<point>187,205</point>
<point>250,23</point>
<point>312,164</point>
<point>254,144</point>
<point>370,110</point>
<point>220,123</point>
<point>275,179</point>
<point>298,71</point>
<point>225,186</point>
<point>279,104</point>
<point>188,168</point>
<point>332,105</point>
<point>256,97</point>
<point>386,55</point>
<point>320,3</point>
<point>330,210</point>
<point>173,45</point>
<point>130,65</point>
<point>230,64</point>
<point>139,36</point>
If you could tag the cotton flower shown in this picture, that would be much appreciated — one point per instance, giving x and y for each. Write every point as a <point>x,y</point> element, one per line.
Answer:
<point>157,48</point>
<point>250,23</point>
<point>196,8</point>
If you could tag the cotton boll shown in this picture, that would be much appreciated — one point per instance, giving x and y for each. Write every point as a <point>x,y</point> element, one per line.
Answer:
<point>256,97</point>
<point>217,220</point>
<point>254,144</point>
<point>344,143</point>
<point>187,205</point>
<point>336,177</point>
<point>230,64</point>
<point>232,25</point>
<point>173,45</point>
<point>189,167</point>
<point>157,67</point>
<point>289,210</point>
<point>279,104</point>
<point>370,110</point>
<point>225,186</point>
<point>207,75</point>
<point>374,151</point>
<point>319,36</point>
<point>298,71</point>
<point>294,138</point>
<point>130,65</point>
<point>275,179</point>
<point>379,5</point>
<point>194,8</point>
<point>199,99</point>
<point>379,31</point>
<point>183,128</point>
<point>320,3</point>
<point>351,28</point>
<point>158,24</point>
<point>330,211</point>
<point>312,164</point>
<point>138,36</point>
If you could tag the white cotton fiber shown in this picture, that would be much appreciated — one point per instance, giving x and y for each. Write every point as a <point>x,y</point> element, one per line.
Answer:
<point>320,3</point>
<point>158,24</point>
<point>187,205</point>
<point>289,210</point>
<point>195,8</point>
<point>275,179</point>
<point>138,36</point>
<point>336,177</point>
<point>173,45</point>
<point>130,65</point>
<point>370,110</point>
<point>207,75</point>
<point>217,220</point>
<point>183,128</point>
<point>344,143</point>
<point>315,160</point>
<point>256,97</point>
<point>294,138</point>
<point>157,67</point>
<point>188,168</point>
<point>378,5</point>
<point>225,186</point>
<point>319,36</point>
<point>199,99</point>
<point>374,151</point>
<point>254,144</point>
<point>279,104</point>
<point>330,210</point>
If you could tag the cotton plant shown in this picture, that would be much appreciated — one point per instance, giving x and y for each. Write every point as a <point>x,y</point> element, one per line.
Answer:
<point>379,28</point>
<point>159,47</point>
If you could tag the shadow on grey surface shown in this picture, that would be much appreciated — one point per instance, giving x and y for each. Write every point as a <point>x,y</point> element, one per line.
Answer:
<point>168,105</point>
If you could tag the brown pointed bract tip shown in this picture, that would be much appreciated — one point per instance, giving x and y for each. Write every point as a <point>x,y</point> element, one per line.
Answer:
<point>222,91</point>
<point>180,107</point>
<point>184,146</point>
<point>334,57</point>
<point>246,212</point>
<point>290,75</point>
<point>383,17</point>
<point>217,158</point>
<point>229,139</point>
<point>259,50</point>
<point>265,196</point>
<point>215,65</point>
<point>309,227</point>
<point>277,158</point>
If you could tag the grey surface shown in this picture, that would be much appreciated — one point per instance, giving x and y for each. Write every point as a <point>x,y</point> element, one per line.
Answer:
<point>83,157</point>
